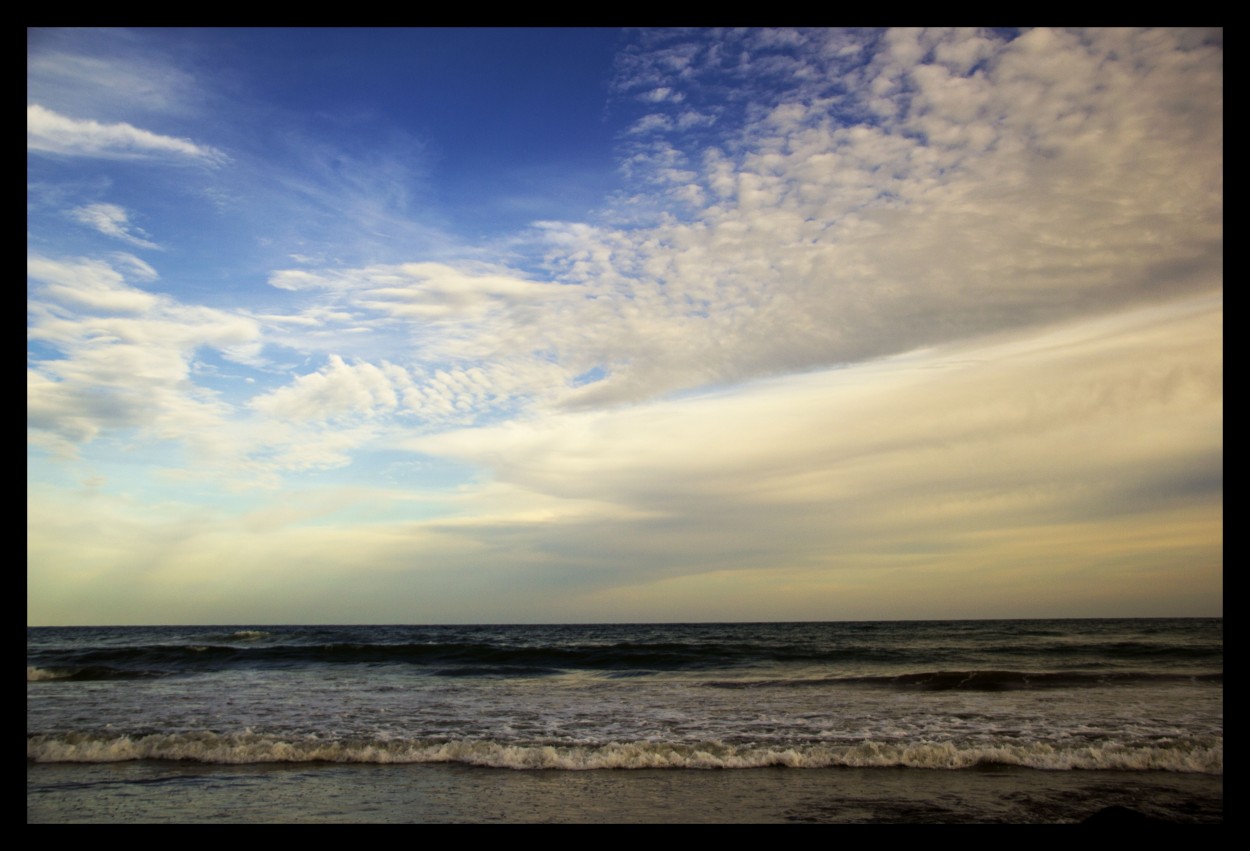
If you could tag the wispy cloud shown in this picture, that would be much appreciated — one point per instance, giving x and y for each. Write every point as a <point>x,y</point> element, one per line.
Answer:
<point>112,220</point>
<point>48,132</point>
<point>117,74</point>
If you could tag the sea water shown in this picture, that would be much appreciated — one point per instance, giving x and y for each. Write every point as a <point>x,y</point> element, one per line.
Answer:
<point>121,705</point>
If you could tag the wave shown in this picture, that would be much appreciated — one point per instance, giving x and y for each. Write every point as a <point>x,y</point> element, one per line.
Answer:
<point>526,665</point>
<point>1205,756</point>
<point>35,674</point>
<point>249,648</point>
<point>249,634</point>
<point>464,657</point>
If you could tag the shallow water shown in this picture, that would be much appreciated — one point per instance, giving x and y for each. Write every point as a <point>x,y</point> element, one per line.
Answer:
<point>142,792</point>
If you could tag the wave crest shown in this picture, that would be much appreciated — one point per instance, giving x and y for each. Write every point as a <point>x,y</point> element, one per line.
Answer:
<point>1182,755</point>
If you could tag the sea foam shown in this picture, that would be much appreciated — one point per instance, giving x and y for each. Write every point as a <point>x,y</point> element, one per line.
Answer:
<point>1205,757</point>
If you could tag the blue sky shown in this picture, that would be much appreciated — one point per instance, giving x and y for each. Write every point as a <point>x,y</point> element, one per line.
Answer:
<point>596,325</point>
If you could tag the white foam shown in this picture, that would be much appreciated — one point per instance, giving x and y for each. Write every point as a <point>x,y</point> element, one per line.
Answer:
<point>241,748</point>
<point>34,674</point>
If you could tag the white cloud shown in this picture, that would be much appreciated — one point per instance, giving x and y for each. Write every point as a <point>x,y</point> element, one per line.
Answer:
<point>473,339</point>
<point>816,235</point>
<point>1010,184</point>
<point>1066,438</point>
<point>663,93</point>
<point>1149,366</point>
<point>337,390</point>
<point>88,284</point>
<point>112,220</point>
<point>651,123</point>
<point>133,267</point>
<point>48,132</point>
<point>124,356</point>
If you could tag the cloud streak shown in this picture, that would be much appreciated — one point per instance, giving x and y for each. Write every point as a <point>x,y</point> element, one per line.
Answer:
<point>112,220</point>
<point>48,132</point>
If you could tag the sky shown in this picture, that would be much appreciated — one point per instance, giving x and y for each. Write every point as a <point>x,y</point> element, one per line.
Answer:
<point>541,326</point>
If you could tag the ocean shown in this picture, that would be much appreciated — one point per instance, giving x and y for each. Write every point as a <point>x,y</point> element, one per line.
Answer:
<point>933,721</point>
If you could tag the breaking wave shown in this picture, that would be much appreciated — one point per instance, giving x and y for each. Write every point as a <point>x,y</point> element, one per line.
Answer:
<point>35,674</point>
<point>1204,756</point>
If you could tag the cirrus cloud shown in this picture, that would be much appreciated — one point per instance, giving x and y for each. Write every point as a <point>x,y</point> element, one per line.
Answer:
<point>49,132</point>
